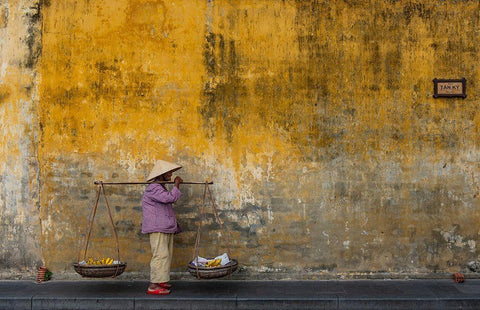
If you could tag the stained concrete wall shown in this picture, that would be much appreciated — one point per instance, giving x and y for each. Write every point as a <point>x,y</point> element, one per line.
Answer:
<point>315,119</point>
<point>20,234</point>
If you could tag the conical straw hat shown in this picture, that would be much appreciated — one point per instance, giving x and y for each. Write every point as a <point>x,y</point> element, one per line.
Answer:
<point>162,167</point>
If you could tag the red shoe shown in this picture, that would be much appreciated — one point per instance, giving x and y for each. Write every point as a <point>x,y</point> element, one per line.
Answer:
<point>160,291</point>
<point>165,285</point>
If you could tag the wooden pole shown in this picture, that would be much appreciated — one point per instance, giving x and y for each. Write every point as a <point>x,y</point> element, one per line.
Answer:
<point>139,183</point>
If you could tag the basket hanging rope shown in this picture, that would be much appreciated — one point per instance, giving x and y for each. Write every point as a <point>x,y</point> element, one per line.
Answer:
<point>210,272</point>
<point>100,271</point>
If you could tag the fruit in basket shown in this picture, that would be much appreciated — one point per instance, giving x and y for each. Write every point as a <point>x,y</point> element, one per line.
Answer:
<point>98,262</point>
<point>213,263</point>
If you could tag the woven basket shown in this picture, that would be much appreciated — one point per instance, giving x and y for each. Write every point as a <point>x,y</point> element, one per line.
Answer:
<point>213,272</point>
<point>101,271</point>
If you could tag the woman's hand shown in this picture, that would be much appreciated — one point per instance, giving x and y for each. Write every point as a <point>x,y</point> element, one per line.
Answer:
<point>177,181</point>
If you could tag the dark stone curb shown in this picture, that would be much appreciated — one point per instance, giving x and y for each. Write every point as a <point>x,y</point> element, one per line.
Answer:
<point>228,294</point>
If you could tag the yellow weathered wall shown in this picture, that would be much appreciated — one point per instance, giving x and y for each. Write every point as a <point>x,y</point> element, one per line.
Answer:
<point>120,88</point>
<point>20,47</point>
<point>315,120</point>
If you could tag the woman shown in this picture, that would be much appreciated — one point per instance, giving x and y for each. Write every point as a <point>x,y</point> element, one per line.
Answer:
<point>160,223</point>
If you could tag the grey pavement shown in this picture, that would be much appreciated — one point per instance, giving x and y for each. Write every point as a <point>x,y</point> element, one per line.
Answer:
<point>235,294</point>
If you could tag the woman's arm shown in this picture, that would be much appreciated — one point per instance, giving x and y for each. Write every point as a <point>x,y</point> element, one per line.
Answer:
<point>159,194</point>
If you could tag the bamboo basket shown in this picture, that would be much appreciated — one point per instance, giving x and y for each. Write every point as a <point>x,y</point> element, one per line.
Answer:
<point>100,271</point>
<point>213,272</point>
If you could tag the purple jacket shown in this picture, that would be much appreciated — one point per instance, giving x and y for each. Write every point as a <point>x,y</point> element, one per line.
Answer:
<point>158,215</point>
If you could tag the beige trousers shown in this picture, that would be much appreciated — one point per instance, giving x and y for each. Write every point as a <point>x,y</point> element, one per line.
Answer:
<point>162,252</point>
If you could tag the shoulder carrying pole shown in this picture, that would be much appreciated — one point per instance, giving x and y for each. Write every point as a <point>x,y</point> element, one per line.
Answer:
<point>139,183</point>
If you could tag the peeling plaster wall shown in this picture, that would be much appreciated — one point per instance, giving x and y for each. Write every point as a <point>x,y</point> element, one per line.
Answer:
<point>20,235</point>
<point>315,120</point>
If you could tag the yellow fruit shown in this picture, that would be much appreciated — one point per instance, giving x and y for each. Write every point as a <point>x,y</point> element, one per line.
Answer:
<point>102,261</point>
<point>214,263</point>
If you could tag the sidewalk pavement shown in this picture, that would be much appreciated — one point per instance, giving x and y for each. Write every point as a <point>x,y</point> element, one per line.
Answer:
<point>233,294</point>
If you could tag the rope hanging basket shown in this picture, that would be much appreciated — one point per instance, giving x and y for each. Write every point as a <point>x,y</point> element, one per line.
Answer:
<point>100,271</point>
<point>203,272</point>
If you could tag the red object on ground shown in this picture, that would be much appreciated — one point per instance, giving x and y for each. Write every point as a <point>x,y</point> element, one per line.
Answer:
<point>459,278</point>
<point>41,274</point>
<point>160,291</point>
<point>165,285</point>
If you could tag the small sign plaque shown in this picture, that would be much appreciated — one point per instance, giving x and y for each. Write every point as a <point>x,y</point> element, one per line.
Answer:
<point>449,88</point>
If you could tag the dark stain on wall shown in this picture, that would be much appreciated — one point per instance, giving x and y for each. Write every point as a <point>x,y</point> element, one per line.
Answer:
<point>3,16</point>
<point>416,8</point>
<point>125,227</point>
<point>319,133</point>
<point>393,68</point>
<point>223,90</point>
<point>4,93</point>
<point>107,77</point>
<point>34,32</point>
